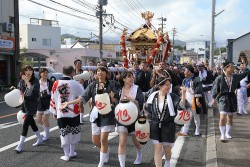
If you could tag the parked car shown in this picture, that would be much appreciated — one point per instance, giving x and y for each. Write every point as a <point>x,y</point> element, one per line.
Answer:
<point>52,74</point>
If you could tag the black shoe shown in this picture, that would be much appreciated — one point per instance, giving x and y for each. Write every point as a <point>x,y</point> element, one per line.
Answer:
<point>238,114</point>
<point>81,123</point>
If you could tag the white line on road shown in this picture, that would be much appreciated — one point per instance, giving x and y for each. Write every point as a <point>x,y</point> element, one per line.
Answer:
<point>30,138</point>
<point>2,102</point>
<point>176,150</point>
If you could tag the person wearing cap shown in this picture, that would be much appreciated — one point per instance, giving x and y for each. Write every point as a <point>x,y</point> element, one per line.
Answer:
<point>195,96</point>
<point>101,125</point>
<point>78,70</point>
<point>223,92</point>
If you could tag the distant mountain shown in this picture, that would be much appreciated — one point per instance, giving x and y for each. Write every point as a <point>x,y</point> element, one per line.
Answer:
<point>178,42</point>
<point>116,40</point>
<point>68,36</point>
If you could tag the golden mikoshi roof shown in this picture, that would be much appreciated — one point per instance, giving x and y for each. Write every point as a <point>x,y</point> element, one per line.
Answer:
<point>142,34</point>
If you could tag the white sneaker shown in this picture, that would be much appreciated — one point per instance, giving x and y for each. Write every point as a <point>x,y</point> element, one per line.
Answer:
<point>45,138</point>
<point>222,138</point>
<point>65,158</point>
<point>73,155</point>
<point>228,136</point>
<point>39,141</point>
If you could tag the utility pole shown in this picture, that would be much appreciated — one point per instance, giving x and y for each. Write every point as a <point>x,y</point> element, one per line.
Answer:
<point>162,27</point>
<point>15,59</point>
<point>174,34</point>
<point>212,42</point>
<point>211,62</point>
<point>99,14</point>
<point>100,30</point>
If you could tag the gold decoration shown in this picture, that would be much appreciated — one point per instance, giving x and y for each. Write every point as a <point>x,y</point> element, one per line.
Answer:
<point>147,15</point>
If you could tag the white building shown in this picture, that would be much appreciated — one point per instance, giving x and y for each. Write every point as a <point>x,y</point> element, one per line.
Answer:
<point>7,42</point>
<point>68,42</point>
<point>40,34</point>
<point>201,48</point>
<point>238,45</point>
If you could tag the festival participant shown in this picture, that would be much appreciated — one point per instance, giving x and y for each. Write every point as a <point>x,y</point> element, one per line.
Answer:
<point>132,92</point>
<point>43,113</point>
<point>162,107</point>
<point>157,73</point>
<point>224,92</point>
<point>29,85</point>
<point>207,79</point>
<point>195,97</point>
<point>68,119</point>
<point>78,70</point>
<point>101,125</point>
<point>242,91</point>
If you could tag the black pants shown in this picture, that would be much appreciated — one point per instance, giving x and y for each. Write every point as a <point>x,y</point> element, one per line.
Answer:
<point>29,121</point>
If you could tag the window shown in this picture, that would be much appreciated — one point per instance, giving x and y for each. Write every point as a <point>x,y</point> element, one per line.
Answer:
<point>46,42</point>
<point>33,39</point>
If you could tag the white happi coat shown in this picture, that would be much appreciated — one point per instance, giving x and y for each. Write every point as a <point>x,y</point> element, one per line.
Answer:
<point>68,119</point>
<point>64,91</point>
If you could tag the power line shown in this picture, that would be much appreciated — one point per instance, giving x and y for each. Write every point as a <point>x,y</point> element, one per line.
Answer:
<point>122,16</point>
<point>78,28</point>
<point>72,8</point>
<point>86,5</point>
<point>135,14</point>
<point>63,11</point>
<point>141,5</point>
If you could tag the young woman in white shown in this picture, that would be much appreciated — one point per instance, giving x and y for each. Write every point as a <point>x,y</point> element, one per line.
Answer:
<point>43,113</point>
<point>132,92</point>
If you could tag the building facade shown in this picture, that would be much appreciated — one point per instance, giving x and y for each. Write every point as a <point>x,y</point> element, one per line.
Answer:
<point>238,45</point>
<point>7,40</point>
<point>40,34</point>
<point>201,48</point>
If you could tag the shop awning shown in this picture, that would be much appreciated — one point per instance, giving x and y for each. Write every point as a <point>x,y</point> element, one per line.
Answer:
<point>7,52</point>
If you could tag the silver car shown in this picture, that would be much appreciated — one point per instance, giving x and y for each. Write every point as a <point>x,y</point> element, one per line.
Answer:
<point>52,74</point>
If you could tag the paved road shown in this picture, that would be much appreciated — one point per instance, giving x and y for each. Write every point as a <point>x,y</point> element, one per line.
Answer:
<point>186,152</point>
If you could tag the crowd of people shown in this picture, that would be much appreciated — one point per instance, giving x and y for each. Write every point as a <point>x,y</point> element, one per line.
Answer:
<point>157,90</point>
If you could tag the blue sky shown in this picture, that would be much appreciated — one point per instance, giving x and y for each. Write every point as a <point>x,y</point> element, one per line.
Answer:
<point>192,18</point>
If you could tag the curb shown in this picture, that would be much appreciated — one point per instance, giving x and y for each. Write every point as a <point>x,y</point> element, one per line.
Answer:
<point>211,154</point>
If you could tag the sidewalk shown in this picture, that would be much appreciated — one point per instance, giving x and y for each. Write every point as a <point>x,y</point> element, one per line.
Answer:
<point>236,151</point>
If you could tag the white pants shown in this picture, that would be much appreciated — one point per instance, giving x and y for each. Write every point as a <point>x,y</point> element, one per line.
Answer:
<point>197,122</point>
<point>208,97</point>
<point>242,99</point>
<point>97,130</point>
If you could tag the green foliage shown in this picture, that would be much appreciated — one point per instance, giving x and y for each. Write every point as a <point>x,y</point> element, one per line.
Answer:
<point>217,50</point>
<point>24,61</point>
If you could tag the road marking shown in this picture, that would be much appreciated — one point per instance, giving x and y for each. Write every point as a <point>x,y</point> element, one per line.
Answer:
<point>30,138</point>
<point>2,102</point>
<point>7,115</point>
<point>176,150</point>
